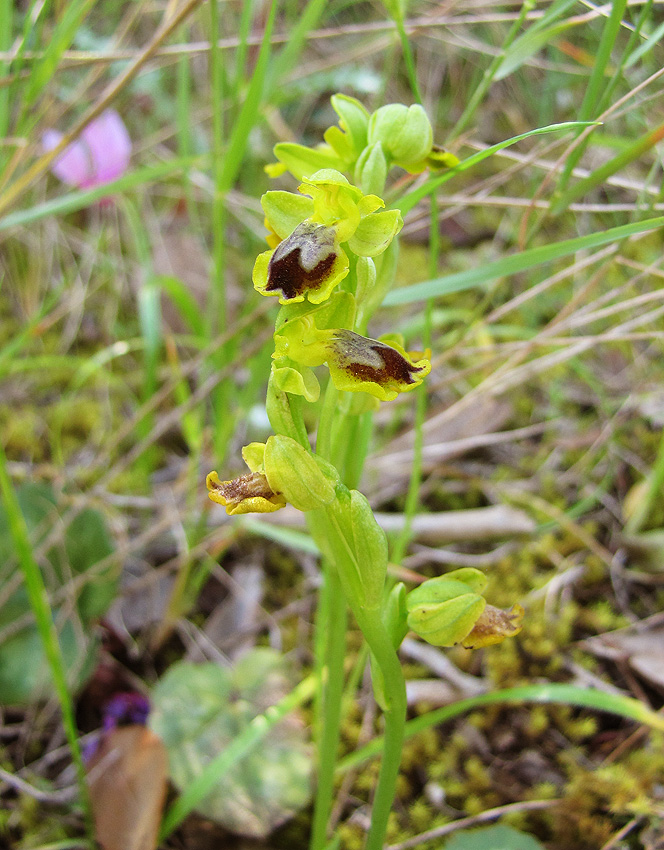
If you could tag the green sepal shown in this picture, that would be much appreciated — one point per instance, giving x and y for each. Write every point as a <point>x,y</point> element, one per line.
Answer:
<point>285,210</point>
<point>337,312</point>
<point>254,456</point>
<point>304,479</point>
<point>302,161</point>
<point>353,120</point>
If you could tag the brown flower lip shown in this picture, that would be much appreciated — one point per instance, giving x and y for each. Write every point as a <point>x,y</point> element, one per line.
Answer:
<point>250,486</point>
<point>302,262</point>
<point>372,360</point>
<point>493,626</point>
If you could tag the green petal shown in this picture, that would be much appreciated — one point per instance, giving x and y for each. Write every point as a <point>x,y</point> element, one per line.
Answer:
<point>285,210</point>
<point>297,380</point>
<point>375,232</point>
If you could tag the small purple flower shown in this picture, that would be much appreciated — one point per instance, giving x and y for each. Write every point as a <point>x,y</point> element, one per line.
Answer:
<point>100,155</point>
<point>123,709</point>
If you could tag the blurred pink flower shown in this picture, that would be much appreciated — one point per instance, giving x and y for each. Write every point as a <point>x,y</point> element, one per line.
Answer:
<point>100,155</point>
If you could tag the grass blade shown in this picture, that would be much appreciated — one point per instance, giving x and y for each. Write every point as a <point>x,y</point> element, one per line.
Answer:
<point>41,608</point>
<point>516,263</point>
<point>411,199</point>
<point>60,40</point>
<point>617,704</point>
<point>597,80</point>
<point>306,21</point>
<point>73,201</point>
<point>601,174</point>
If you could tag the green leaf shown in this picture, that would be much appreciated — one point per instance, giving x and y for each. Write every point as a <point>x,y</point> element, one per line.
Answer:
<point>23,662</point>
<point>492,838</point>
<point>211,719</point>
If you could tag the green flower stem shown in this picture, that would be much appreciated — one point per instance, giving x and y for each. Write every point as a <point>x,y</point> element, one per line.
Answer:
<point>331,621</point>
<point>331,631</point>
<point>326,421</point>
<point>368,616</point>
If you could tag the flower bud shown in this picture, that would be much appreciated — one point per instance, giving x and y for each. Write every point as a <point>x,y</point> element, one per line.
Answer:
<point>305,480</point>
<point>404,132</point>
<point>444,610</point>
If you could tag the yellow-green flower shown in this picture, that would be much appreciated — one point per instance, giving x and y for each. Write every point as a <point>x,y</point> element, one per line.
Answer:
<point>248,494</point>
<point>310,262</point>
<point>281,471</point>
<point>356,363</point>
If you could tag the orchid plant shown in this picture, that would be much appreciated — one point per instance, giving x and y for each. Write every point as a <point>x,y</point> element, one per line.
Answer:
<point>331,260</point>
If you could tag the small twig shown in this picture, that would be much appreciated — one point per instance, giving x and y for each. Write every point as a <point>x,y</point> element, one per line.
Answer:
<point>55,798</point>
<point>613,842</point>
<point>490,814</point>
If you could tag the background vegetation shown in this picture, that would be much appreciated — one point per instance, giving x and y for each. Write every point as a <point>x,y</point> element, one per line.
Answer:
<point>133,359</point>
